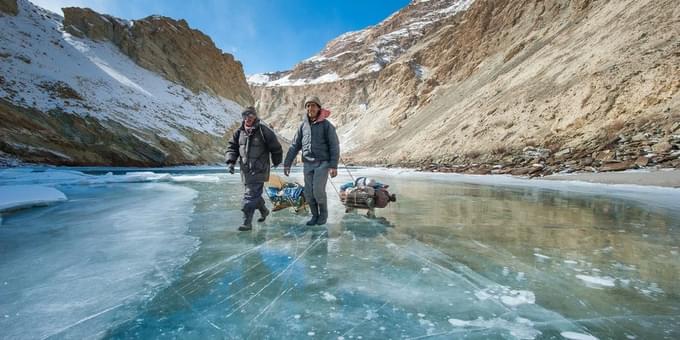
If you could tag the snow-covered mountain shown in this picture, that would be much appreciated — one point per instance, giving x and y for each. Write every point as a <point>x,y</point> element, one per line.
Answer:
<point>78,100</point>
<point>367,51</point>
<point>497,86</point>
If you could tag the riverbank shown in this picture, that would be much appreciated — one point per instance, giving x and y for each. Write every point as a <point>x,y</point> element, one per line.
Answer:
<point>661,178</point>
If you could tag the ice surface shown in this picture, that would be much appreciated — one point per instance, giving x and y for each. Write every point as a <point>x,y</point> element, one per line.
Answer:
<point>156,254</point>
<point>52,176</point>
<point>80,267</point>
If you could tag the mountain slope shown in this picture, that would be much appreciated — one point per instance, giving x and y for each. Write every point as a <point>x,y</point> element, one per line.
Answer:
<point>558,84</point>
<point>72,100</point>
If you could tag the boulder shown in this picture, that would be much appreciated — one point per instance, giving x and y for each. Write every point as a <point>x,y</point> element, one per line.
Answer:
<point>525,171</point>
<point>586,161</point>
<point>563,153</point>
<point>605,155</point>
<point>642,161</point>
<point>663,147</point>
<point>618,166</point>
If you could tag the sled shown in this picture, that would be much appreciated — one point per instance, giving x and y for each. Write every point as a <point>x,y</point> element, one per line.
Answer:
<point>369,197</point>
<point>284,194</point>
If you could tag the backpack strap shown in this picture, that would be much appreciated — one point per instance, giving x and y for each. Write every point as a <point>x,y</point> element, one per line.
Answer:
<point>264,139</point>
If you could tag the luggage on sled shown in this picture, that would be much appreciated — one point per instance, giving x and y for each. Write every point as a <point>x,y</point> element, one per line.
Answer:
<point>284,194</point>
<point>365,193</point>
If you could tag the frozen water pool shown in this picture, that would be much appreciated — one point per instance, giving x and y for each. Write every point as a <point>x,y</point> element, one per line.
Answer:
<point>157,255</point>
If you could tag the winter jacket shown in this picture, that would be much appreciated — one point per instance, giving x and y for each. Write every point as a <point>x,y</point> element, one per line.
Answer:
<point>318,142</point>
<point>253,152</point>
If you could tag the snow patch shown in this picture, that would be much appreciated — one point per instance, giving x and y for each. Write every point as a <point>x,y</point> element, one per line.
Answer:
<point>23,196</point>
<point>459,6</point>
<point>597,281</point>
<point>507,296</point>
<point>541,256</point>
<point>518,297</point>
<point>577,336</point>
<point>520,329</point>
<point>458,323</point>
<point>258,79</point>
<point>328,297</point>
<point>422,72</point>
<point>286,81</point>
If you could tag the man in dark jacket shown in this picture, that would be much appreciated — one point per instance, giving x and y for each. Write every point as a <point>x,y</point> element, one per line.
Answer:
<point>252,145</point>
<point>320,147</point>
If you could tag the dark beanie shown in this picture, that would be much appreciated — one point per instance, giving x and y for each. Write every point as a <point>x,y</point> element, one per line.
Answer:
<point>249,111</point>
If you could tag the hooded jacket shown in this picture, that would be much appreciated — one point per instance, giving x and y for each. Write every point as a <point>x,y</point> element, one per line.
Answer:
<point>317,140</point>
<point>253,152</point>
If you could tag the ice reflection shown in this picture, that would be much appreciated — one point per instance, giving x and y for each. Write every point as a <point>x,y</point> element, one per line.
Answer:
<point>448,260</point>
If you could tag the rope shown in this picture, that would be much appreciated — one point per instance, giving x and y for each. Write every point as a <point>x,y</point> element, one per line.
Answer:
<point>346,168</point>
<point>334,187</point>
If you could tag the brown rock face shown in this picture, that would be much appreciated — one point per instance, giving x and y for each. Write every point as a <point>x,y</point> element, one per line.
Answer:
<point>169,47</point>
<point>619,166</point>
<point>63,139</point>
<point>9,7</point>
<point>498,77</point>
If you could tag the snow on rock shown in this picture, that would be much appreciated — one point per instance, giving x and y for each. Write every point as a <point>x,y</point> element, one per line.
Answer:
<point>367,51</point>
<point>422,72</point>
<point>457,7</point>
<point>286,81</point>
<point>258,78</point>
<point>14,197</point>
<point>46,68</point>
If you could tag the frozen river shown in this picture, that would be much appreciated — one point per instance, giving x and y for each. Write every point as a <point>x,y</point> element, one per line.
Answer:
<point>157,255</point>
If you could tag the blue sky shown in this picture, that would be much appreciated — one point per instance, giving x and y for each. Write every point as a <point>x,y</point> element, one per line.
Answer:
<point>265,35</point>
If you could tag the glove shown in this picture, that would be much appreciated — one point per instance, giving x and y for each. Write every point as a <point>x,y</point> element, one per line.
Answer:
<point>286,171</point>
<point>231,168</point>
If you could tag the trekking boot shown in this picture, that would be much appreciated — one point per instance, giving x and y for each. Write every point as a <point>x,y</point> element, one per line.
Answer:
<point>247,221</point>
<point>264,212</point>
<point>315,214</point>
<point>323,214</point>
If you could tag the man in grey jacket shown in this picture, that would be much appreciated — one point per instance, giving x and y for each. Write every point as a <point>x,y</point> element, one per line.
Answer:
<point>318,141</point>
<point>252,144</point>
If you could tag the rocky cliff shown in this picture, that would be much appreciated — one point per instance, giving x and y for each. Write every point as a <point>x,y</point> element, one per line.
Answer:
<point>90,89</point>
<point>497,86</point>
<point>168,47</point>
